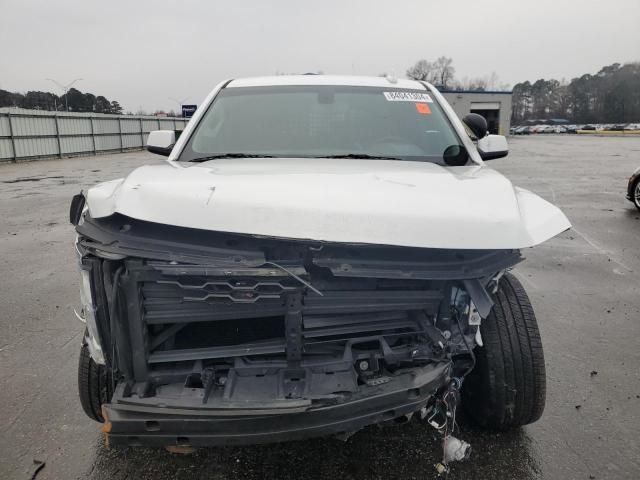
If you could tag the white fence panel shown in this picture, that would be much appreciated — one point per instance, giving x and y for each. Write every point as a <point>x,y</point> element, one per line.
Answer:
<point>76,144</point>
<point>74,126</point>
<point>130,125</point>
<point>36,147</point>
<point>6,149</point>
<point>5,130</point>
<point>131,141</point>
<point>36,133</point>
<point>166,124</point>
<point>150,125</point>
<point>108,142</point>
<point>106,125</point>
<point>33,126</point>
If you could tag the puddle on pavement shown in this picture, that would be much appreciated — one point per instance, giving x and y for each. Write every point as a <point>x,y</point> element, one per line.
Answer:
<point>32,179</point>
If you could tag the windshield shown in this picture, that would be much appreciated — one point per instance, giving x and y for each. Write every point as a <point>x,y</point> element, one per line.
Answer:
<point>326,121</point>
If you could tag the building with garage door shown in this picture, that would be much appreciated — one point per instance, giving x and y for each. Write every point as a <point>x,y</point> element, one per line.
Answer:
<point>495,106</point>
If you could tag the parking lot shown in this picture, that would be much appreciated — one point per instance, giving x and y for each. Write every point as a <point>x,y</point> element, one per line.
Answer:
<point>584,285</point>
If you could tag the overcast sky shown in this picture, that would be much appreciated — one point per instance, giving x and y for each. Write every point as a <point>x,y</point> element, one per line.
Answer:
<point>142,52</point>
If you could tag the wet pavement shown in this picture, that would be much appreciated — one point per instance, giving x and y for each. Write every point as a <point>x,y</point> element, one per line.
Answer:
<point>584,285</point>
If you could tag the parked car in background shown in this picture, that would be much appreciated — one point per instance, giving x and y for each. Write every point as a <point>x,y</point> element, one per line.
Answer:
<point>633,188</point>
<point>588,127</point>
<point>559,129</point>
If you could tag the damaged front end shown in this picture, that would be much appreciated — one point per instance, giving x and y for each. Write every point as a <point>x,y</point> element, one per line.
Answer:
<point>217,338</point>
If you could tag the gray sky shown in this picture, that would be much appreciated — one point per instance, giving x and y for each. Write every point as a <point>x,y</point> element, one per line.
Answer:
<point>141,52</point>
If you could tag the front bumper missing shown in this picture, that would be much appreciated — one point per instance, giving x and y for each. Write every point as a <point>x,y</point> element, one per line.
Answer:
<point>132,424</point>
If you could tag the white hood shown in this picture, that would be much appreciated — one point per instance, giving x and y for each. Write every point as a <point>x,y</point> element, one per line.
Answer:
<point>414,204</point>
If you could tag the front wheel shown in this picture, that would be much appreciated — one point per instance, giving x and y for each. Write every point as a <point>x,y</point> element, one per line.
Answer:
<point>507,387</point>
<point>94,385</point>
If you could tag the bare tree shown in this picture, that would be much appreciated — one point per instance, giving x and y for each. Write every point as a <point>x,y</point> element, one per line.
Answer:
<point>440,72</point>
<point>476,84</point>
<point>423,70</point>
<point>494,82</point>
<point>444,70</point>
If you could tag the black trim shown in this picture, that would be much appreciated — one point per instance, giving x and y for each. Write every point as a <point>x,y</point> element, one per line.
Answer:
<point>75,209</point>
<point>137,425</point>
<point>203,114</point>
<point>164,151</point>
<point>122,235</point>
<point>493,155</point>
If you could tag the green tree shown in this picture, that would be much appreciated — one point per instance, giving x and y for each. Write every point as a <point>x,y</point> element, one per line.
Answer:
<point>116,108</point>
<point>9,99</point>
<point>610,96</point>
<point>102,105</point>
<point>74,100</point>
<point>88,102</point>
<point>39,101</point>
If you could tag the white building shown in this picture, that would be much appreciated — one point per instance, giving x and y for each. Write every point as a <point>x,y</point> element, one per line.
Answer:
<point>495,106</point>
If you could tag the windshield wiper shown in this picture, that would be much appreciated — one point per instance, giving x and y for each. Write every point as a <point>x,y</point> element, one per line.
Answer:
<point>229,155</point>
<point>363,156</point>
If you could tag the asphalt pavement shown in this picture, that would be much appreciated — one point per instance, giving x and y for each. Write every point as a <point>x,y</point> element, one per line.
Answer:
<point>584,285</point>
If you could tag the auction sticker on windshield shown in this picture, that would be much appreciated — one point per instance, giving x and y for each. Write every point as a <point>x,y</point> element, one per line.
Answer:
<point>423,109</point>
<point>407,97</point>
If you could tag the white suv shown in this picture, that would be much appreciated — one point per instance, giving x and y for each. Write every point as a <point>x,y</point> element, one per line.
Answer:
<point>318,254</point>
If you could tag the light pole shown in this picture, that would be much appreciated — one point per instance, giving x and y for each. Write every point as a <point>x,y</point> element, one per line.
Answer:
<point>65,89</point>
<point>179,102</point>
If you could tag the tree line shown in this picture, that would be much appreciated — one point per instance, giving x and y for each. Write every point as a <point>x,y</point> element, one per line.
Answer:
<point>442,74</point>
<point>610,96</point>
<point>74,99</point>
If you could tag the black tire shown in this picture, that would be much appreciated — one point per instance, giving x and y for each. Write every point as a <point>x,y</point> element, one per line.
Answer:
<point>94,385</point>
<point>635,194</point>
<point>507,387</point>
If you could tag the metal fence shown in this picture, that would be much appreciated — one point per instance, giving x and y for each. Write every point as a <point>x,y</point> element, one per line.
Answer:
<point>29,134</point>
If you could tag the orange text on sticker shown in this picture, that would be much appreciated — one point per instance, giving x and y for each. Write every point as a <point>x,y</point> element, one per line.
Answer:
<point>423,108</point>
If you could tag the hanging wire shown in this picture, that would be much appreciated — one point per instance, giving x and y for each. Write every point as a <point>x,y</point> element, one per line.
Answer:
<point>304,282</point>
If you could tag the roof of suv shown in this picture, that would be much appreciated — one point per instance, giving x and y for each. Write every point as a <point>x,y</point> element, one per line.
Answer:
<point>326,80</point>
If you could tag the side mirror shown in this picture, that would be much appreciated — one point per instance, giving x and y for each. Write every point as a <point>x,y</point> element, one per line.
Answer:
<point>493,146</point>
<point>477,124</point>
<point>161,142</point>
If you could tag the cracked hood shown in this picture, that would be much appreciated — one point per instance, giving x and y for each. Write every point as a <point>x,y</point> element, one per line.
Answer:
<point>414,204</point>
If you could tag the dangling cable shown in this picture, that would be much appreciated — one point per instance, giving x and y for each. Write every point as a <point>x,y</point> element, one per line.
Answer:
<point>466,344</point>
<point>305,283</point>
